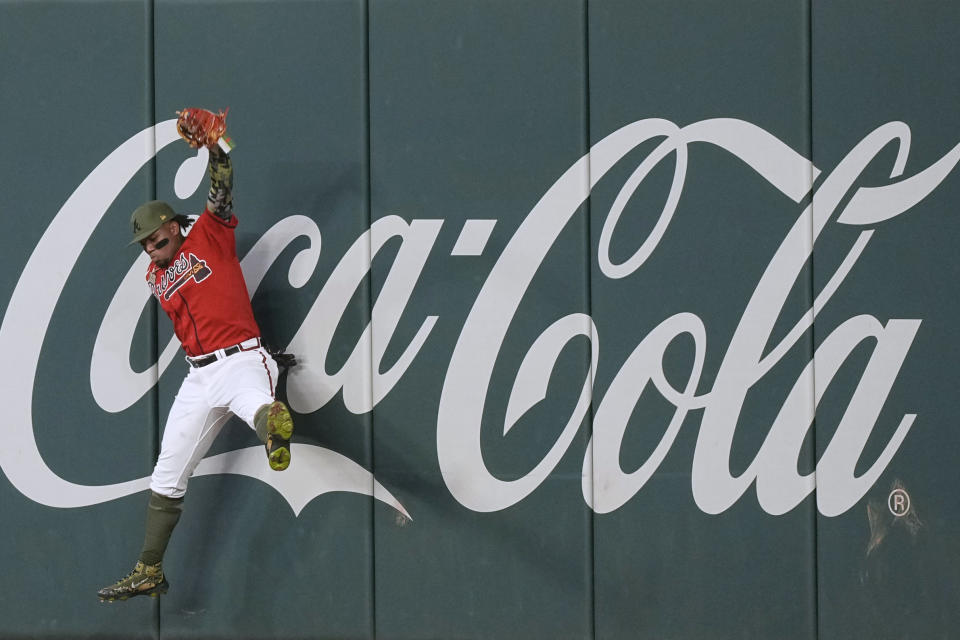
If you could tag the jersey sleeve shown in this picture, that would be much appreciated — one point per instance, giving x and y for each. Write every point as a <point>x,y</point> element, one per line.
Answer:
<point>216,231</point>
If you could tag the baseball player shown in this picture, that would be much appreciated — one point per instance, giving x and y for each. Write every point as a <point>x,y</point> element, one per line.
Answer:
<point>197,280</point>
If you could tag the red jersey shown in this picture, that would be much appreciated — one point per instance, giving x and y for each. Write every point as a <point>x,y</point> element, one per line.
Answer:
<point>203,291</point>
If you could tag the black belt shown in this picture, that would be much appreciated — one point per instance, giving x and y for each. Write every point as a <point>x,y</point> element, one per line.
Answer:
<point>219,354</point>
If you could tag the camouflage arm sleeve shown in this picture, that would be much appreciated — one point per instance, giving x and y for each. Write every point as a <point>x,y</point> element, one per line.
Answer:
<point>220,199</point>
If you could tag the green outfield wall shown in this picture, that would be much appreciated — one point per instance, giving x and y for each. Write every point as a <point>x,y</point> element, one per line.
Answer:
<point>616,319</point>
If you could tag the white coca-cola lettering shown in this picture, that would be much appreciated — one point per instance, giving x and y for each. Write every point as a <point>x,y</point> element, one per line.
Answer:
<point>363,385</point>
<point>605,485</point>
<point>779,488</point>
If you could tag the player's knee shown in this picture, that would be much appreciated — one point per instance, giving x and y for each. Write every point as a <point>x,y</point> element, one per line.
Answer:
<point>166,487</point>
<point>172,493</point>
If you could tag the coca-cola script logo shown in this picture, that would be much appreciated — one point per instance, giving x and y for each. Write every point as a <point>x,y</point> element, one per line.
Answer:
<point>606,487</point>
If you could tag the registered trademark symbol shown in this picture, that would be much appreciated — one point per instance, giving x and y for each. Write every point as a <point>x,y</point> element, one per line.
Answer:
<point>898,502</point>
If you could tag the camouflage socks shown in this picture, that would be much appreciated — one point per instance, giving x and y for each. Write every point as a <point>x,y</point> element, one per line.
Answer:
<point>162,516</point>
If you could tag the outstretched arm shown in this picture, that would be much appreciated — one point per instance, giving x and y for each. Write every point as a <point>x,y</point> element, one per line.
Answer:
<point>220,198</point>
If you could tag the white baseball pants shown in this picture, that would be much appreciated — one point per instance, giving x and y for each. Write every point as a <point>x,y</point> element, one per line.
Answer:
<point>236,385</point>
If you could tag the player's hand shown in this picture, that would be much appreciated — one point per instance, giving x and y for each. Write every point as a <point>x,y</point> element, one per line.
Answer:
<point>284,360</point>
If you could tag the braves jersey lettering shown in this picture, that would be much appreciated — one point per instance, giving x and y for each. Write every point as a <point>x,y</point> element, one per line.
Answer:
<point>202,289</point>
<point>179,274</point>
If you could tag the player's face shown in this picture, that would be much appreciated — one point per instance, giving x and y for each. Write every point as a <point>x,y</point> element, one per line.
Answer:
<point>163,244</point>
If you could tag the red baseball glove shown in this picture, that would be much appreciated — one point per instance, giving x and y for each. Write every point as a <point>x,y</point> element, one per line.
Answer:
<point>201,128</point>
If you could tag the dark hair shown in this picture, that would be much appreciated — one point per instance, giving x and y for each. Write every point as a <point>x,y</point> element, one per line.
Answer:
<point>183,221</point>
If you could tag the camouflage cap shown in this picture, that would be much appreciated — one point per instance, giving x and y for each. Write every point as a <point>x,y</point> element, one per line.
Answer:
<point>148,217</point>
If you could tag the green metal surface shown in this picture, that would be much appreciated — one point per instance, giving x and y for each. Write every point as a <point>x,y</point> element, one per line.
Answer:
<point>428,195</point>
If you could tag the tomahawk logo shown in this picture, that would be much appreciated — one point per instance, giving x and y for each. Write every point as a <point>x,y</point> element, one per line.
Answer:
<point>180,272</point>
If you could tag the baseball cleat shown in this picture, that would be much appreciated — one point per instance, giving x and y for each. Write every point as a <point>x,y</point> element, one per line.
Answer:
<point>144,580</point>
<point>279,432</point>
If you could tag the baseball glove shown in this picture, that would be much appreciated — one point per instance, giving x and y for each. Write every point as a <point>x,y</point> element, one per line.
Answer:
<point>201,128</point>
